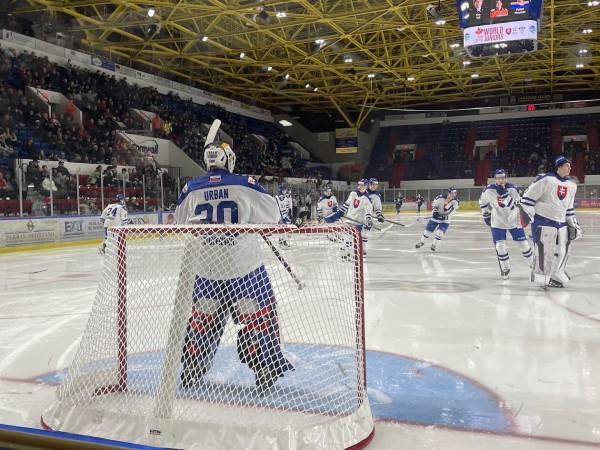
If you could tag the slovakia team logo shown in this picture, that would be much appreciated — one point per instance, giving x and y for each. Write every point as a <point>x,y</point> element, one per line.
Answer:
<point>356,203</point>
<point>215,178</point>
<point>561,192</point>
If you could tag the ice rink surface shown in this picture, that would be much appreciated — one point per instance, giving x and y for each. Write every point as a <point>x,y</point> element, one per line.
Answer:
<point>457,357</point>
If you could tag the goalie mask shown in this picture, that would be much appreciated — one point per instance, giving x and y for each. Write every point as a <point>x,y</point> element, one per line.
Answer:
<point>219,155</point>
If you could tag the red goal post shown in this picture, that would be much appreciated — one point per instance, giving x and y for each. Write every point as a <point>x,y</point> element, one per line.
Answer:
<point>126,380</point>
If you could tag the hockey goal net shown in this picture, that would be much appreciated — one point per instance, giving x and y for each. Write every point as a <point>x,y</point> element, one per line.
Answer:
<point>218,336</point>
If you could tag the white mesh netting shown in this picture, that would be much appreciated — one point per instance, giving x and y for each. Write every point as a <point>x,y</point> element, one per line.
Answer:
<point>223,337</point>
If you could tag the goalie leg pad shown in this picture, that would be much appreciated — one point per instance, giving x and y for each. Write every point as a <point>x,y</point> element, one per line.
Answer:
<point>210,311</point>
<point>557,270</point>
<point>259,343</point>
<point>545,245</point>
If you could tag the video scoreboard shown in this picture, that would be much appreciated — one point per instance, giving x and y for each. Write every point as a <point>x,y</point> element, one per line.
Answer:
<point>495,27</point>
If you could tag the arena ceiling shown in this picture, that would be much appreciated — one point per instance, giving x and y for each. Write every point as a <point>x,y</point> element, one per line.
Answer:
<point>387,41</point>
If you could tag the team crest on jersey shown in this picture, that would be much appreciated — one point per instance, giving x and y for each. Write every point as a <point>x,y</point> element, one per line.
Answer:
<point>251,180</point>
<point>356,202</point>
<point>561,192</point>
<point>215,178</point>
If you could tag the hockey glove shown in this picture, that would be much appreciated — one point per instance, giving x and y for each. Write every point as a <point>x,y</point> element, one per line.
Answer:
<point>368,224</point>
<point>487,218</point>
<point>437,216</point>
<point>380,218</point>
<point>320,220</point>
<point>337,216</point>
<point>334,209</point>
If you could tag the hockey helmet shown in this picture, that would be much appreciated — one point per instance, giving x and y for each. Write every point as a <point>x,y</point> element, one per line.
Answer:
<point>363,183</point>
<point>500,173</point>
<point>284,189</point>
<point>120,199</point>
<point>451,190</point>
<point>219,155</point>
<point>326,190</point>
<point>373,183</point>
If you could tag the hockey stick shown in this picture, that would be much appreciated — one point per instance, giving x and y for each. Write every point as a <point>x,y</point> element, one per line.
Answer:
<point>364,224</point>
<point>408,224</point>
<point>212,133</point>
<point>285,264</point>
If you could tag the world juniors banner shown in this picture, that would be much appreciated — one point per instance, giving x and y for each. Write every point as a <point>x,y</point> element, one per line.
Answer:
<point>501,32</point>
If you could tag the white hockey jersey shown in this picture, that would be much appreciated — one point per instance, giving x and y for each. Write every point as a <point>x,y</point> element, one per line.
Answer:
<point>551,197</point>
<point>114,215</point>
<point>439,206</point>
<point>376,200</point>
<point>358,208</point>
<point>504,213</point>
<point>285,207</point>
<point>326,206</point>
<point>222,197</point>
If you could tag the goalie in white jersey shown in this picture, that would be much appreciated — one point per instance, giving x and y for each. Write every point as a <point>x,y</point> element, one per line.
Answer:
<point>114,215</point>
<point>497,203</point>
<point>242,289</point>
<point>442,208</point>
<point>549,202</point>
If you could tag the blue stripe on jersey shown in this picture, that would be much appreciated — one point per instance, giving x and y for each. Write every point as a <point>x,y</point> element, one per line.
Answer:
<point>528,201</point>
<point>226,179</point>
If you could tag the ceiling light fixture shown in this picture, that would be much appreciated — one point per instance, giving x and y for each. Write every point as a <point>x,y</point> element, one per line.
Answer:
<point>151,12</point>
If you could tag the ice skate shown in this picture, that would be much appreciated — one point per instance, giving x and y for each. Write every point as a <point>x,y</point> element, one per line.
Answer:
<point>555,283</point>
<point>419,245</point>
<point>505,274</point>
<point>432,248</point>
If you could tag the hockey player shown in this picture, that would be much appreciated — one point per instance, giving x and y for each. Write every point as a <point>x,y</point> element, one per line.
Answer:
<point>399,201</point>
<point>443,206</point>
<point>327,206</point>
<point>497,203</point>
<point>359,210</point>
<point>284,201</point>
<point>375,199</point>
<point>243,291</point>
<point>549,202</point>
<point>419,200</point>
<point>114,215</point>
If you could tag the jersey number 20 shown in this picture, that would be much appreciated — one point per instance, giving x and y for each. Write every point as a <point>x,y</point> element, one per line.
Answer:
<point>205,211</point>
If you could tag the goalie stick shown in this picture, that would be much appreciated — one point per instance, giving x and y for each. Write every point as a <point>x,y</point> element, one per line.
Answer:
<point>212,133</point>
<point>285,264</point>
